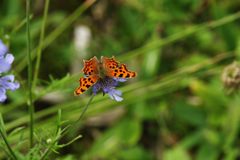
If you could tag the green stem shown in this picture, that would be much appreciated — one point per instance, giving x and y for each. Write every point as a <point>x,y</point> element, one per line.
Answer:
<point>30,104</point>
<point>85,109</point>
<point>20,25</point>
<point>39,50</point>
<point>59,121</point>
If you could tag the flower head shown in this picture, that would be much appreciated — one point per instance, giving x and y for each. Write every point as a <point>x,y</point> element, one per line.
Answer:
<point>231,77</point>
<point>7,81</point>
<point>107,85</point>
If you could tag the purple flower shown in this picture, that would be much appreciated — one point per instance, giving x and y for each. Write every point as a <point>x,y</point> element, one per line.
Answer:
<point>7,81</point>
<point>107,85</point>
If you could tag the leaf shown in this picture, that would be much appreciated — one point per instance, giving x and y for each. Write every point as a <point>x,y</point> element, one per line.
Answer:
<point>176,153</point>
<point>208,152</point>
<point>136,152</point>
<point>16,131</point>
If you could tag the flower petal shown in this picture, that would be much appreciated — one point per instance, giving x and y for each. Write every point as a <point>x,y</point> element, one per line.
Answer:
<point>5,63</point>
<point>118,98</point>
<point>115,95</point>
<point>3,96</point>
<point>111,96</point>
<point>4,67</point>
<point>117,92</point>
<point>9,58</point>
<point>3,49</point>
<point>120,79</point>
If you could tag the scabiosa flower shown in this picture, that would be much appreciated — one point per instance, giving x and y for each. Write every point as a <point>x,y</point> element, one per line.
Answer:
<point>107,85</point>
<point>6,81</point>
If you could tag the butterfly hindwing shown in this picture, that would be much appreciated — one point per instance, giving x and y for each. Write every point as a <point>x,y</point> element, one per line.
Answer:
<point>86,83</point>
<point>91,66</point>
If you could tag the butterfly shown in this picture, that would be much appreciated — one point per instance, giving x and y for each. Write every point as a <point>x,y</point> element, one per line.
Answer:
<point>95,70</point>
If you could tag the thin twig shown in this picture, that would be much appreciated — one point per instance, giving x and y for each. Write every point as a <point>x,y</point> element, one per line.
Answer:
<point>39,49</point>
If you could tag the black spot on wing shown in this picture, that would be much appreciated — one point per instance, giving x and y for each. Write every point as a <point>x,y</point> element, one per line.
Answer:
<point>87,85</point>
<point>120,75</point>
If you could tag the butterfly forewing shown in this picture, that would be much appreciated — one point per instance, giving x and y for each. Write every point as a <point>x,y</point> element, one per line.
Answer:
<point>91,67</point>
<point>109,63</point>
<point>112,68</point>
<point>122,72</point>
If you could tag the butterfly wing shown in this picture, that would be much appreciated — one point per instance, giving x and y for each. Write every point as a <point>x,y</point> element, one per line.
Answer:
<point>112,69</point>
<point>122,72</point>
<point>91,66</point>
<point>86,83</point>
<point>109,63</point>
<point>91,71</point>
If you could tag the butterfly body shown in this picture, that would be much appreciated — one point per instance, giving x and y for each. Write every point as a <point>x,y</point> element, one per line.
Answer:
<point>95,70</point>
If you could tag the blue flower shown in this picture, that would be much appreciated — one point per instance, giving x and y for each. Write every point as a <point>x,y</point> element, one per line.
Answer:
<point>107,85</point>
<point>7,81</point>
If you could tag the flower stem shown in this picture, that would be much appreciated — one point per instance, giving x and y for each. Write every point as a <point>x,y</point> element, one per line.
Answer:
<point>39,49</point>
<point>85,108</point>
<point>30,104</point>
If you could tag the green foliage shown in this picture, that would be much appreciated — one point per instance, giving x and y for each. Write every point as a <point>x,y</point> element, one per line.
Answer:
<point>176,108</point>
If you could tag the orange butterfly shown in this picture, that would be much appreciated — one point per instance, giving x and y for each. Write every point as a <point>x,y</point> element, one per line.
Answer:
<point>95,71</point>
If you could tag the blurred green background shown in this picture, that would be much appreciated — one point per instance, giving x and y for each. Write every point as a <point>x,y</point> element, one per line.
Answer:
<point>176,108</point>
